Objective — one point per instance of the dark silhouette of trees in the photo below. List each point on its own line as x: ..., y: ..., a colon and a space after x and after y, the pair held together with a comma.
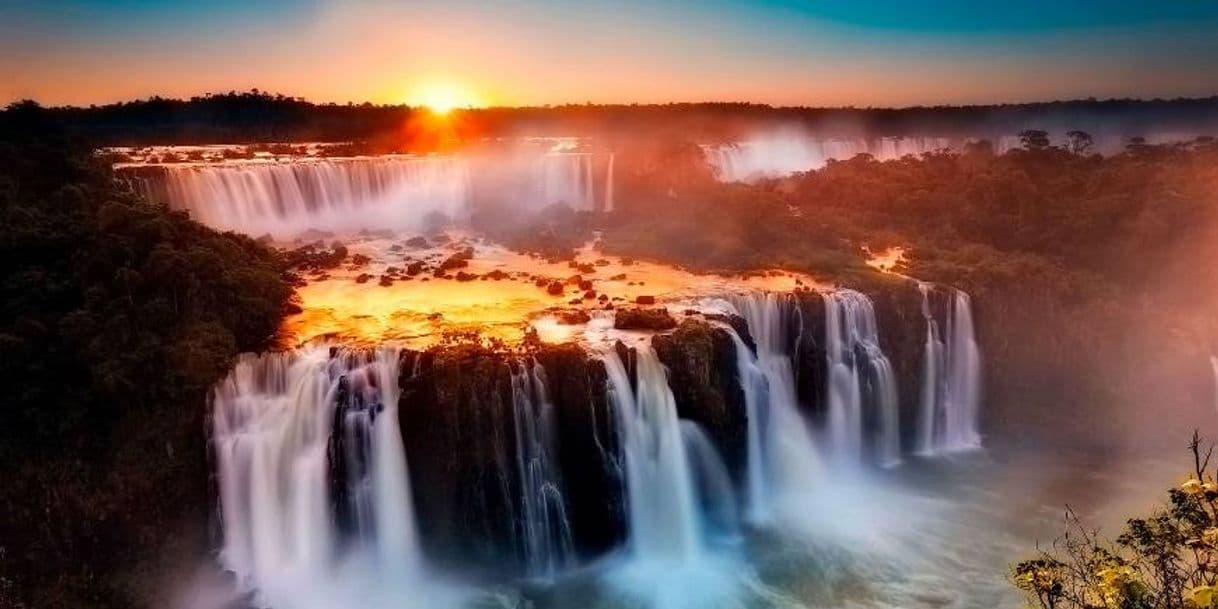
x: 116, y: 317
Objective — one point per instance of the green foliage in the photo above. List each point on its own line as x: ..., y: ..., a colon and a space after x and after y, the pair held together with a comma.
x: 1168, y: 560
x: 116, y: 316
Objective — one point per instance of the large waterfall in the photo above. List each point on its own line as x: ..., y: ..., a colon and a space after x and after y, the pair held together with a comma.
x: 401, y: 193
x: 312, y: 468
x: 545, y: 532
x: 782, y: 461
x: 662, y: 516
x: 860, y: 377
x: 951, y: 386
x: 286, y: 199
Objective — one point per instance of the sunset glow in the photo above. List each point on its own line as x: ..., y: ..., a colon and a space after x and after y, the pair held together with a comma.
x: 442, y: 97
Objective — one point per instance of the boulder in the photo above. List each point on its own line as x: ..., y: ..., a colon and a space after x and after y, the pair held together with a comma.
x: 644, y: 319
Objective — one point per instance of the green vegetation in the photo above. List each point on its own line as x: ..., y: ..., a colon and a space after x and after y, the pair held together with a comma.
x: 116, y: 316
x: 1168, y: 560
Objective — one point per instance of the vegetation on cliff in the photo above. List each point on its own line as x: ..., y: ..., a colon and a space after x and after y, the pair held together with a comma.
x: 1167, y: 560
x: 116, y: 316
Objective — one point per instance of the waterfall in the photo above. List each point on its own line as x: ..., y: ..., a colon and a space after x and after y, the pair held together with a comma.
x: 661, y: 516
x: 608, y: 207
x: 1214, y: 365
x: 713, y: 484
x: 951, y: 383
x: 566, y: 177
x: 283, y: 424
x: 545, y: 533
x: 778, y: 155
x: 856, y: 362
x: 285, y: 199
x: 782, y: 458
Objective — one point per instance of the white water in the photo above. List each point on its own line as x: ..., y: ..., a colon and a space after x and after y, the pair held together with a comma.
x: 545, y: 532
x: 565, y: 177
x: 273, y: 420
x: 1214, y: 366
x: 783, y: 154
x: 662, y: 518
x: 856, y: 360
x: 608, y: 207
x: 713, y: 485
x: 951, y: 383
x: 286, y: 198
x: 782, y: 461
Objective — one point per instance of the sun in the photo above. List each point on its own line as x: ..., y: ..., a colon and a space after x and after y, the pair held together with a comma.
x: 442, y: 98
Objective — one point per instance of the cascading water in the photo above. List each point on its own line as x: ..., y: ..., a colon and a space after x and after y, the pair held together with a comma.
x: 1214, y: 366
x: 284, y: 199
x: 782, y: 458
x: 608, y: 207
x: 781, y: 155
x: 857, y: 362
x: 662, y: 517
x: 566, y: 177
x: 278, y: 420
x: 545, y: 533
x: 713, y: 484
x: 951, y: 384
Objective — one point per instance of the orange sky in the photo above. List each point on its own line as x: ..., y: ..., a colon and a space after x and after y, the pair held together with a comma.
x: 528, y: 54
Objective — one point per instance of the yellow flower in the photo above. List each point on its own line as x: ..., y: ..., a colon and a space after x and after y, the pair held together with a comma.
x: 1192, y: 486
x: 1204, y: 596
x: 1210, y: 486
x: 1210, y: 537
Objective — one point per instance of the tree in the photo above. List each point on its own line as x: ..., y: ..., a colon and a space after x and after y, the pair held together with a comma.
x: 1080, y: 142
x: 1034, y: 139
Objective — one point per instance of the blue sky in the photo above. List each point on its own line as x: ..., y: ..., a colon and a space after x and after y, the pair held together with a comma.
x: 821, y: 52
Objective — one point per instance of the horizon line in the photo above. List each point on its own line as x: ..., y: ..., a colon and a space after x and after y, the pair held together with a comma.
x: 1213, y: 97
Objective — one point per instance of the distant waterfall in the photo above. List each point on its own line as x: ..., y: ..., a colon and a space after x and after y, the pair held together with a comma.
x: 285, y: 199
x: 283, y: 425
x: 608, y: 206
x: 856, y: 363
x: 782, y: 458
x: 1214, y: 365
x: 951, y: 384
x: 775, y: 156
x: 662, y: 516
x: 545, y: 533
x: 566, y: 177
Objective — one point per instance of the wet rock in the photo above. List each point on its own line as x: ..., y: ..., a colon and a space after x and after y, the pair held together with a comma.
x: 463, y: 276
x: 701, y: 362
x: 644, y: 319
x: 645, y: 300
x: 555, y: 289
x: 414, y: 268
x: 417, y: 243
x: 573, y: 317
x: 363, y: 278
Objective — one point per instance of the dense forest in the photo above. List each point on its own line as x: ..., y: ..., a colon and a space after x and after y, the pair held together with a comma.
x: 255, y: 116
x: 116, y: 317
